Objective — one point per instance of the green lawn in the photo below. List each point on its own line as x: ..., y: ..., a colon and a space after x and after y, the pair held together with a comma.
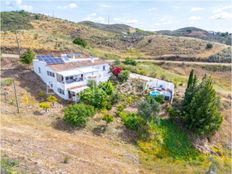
x: 170, y: 151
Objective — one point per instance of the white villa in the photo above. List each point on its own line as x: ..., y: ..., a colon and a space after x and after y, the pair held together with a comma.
x: 69, y: 74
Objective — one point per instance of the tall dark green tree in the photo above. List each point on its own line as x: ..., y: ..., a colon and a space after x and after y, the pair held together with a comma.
x: 189, y: 92
x: 203, y: 116
x: 190, y: 79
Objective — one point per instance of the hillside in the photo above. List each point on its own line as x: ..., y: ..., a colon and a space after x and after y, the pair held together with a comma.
x: 28, y: 138
x: 48, y: 34
x: 194, y: 32
x: 115, y: 28
x: 11, y: 21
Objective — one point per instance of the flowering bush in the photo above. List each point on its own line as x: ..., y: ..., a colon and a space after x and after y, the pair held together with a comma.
x: 116, y: 70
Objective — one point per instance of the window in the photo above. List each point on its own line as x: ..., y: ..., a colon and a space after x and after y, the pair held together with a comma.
x: 39, y: 69
x: 61, y: 91
x: 75, y: 78
x: 59, y: 78
x: 50, y: 74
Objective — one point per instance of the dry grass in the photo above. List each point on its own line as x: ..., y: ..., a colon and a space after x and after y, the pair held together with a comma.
x: 157, y: 45
x: 52, y: 34
x: 27, y: 139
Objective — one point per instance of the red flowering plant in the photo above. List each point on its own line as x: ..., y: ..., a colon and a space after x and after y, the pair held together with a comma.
x: 116, y: 70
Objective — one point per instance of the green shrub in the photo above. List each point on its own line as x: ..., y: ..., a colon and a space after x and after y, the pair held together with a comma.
x: 94, y: 97
x: 107, y: 87
x: 7, y: 82
x: 115, y: 98
x: 159, y: 99
x: 174, y: 113
x: 66, y: 159
x: 117, y: 62
x: 122, y: 114
x: 129, y: 61
x: 42, y: 94
x: 8, y: 165
x: 107, y: 105
x: 123, y: 75
x: 132, y: 121
x: 37, y: 17
x: 148, y: 108
x: 108, y: 118
x: 209, y: 46
x: 145, y: 109
x: 91, y: 83
x: 113, y: 78
x: 27, y: 57
x: 80, y: 42
x: 78, y: 114
x: 120, y: 107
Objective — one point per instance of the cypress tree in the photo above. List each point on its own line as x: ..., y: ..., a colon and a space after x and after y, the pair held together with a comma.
x: 190, y: 79
x: 189, y: 92
x: 203, y: 113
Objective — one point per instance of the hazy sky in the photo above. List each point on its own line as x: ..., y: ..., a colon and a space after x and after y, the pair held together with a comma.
x: 148, y: 15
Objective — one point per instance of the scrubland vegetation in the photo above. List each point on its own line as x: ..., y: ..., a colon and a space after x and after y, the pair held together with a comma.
x: 9, y: 165
x: 167, y: 139
x: 48, y: 34
x: 190, y: 135
x: 162, y: 144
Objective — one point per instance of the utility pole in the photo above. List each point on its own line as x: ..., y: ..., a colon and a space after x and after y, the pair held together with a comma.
x: 17, y: 41
x: 16, y: 98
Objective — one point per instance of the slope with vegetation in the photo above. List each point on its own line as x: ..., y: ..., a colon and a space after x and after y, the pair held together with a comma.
x: 128, y: 132
x: 221, y: 37
x: 115, y: 28
x: 48, y: 34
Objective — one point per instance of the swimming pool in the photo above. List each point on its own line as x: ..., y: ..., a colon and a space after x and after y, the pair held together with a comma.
x: 154, y: 93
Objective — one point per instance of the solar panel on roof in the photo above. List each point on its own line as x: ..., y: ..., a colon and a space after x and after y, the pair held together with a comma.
x: 49, y: 59
x: 76, y: 54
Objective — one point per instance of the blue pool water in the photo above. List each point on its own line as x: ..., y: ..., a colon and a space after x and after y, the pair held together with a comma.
x: 154, y: 93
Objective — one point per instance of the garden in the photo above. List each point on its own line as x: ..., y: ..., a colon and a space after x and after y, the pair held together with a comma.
x: 161, y: 130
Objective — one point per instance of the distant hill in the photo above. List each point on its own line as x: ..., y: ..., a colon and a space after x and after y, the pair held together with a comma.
x: 16, y: 20
x: 221, y: 37
x: 116, y: 28
x: 45, y: 34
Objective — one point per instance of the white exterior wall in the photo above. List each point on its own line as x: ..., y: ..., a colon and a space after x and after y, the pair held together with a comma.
x: 102, y: 76
x: 48, y: 80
